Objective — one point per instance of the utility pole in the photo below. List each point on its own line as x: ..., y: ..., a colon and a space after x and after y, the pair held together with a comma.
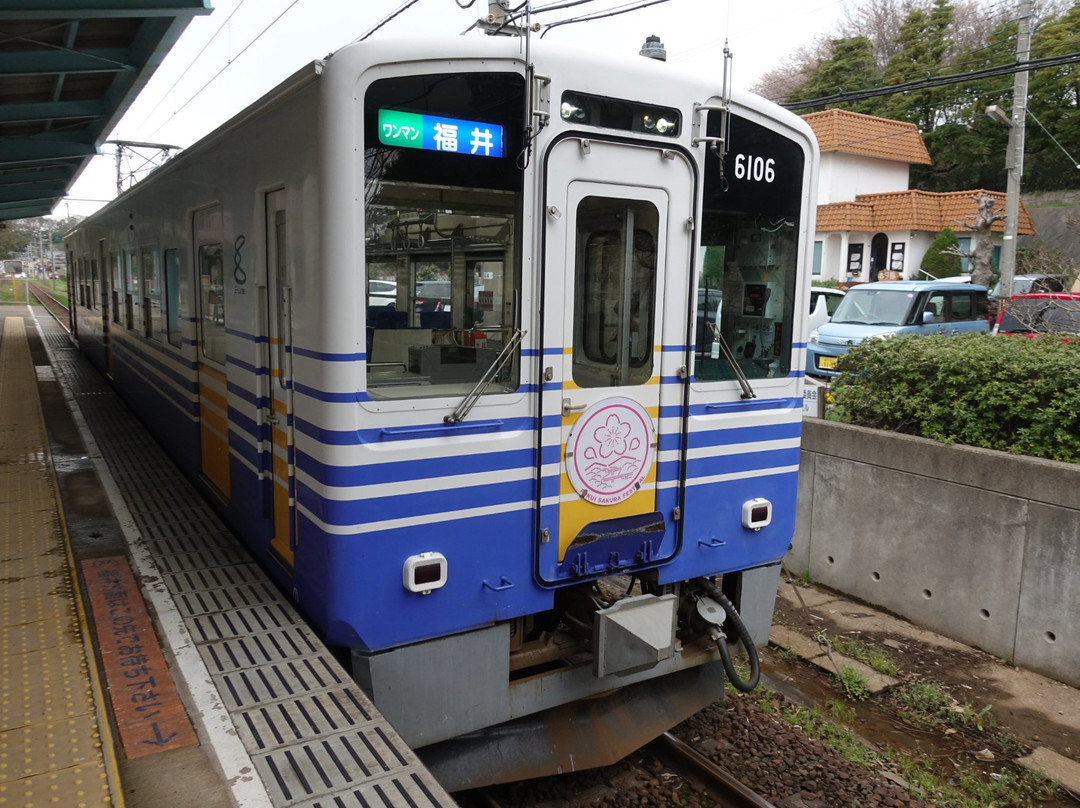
x: 1014, y: 158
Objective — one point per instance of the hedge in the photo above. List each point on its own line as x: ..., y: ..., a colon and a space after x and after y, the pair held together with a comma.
x: 1012, y: 394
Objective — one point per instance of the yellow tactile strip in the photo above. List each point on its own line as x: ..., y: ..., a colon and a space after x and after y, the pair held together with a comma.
x: 51, y: 750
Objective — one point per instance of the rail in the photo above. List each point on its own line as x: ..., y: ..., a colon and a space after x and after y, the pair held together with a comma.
x: 57, y: 309
x: 704, y: 775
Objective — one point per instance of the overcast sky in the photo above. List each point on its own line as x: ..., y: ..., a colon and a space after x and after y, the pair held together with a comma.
x: 229, y: 58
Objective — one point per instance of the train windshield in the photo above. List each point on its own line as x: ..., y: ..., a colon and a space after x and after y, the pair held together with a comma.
x: 442, y: 232
x: 748, y: 254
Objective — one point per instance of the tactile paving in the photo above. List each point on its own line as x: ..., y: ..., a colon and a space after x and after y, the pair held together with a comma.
x: 314, y: 738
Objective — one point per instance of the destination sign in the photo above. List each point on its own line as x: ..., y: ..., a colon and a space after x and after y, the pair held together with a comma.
x: 438, y: 133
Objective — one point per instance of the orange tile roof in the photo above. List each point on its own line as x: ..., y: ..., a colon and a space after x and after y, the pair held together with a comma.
x: 915, y: 210
x: 851, y: 216
x: 838, y: 130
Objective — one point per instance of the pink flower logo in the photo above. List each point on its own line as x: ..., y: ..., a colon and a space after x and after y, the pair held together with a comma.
x: 608, y: 452
x: 612, y: 436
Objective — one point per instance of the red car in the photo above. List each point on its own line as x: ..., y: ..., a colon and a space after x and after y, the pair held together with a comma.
x: 1046, y: 312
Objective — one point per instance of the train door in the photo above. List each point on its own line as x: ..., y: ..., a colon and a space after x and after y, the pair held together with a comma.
x: 279, y: 396
x: 616, y: 272
x: 213, y: 391
x: 107, y: 262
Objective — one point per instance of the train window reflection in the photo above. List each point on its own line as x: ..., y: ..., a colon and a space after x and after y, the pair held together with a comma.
x: 439, y: 298
x: 614, y: 292
x: 442, y: 247
x: 748, y: 255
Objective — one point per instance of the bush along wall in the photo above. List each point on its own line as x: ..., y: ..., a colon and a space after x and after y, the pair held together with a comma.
x: 1012, y: 394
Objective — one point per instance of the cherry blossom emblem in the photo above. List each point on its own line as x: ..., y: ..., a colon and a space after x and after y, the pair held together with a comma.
x: 609, y: 452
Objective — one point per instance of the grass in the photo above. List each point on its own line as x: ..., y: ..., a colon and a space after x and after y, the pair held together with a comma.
x: 867, y: 653
x: 926, y: 704
x: 853, y: 684
x: 953, y: 783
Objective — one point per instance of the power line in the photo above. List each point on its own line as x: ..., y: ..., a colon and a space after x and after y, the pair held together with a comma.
x: 938, y: 81
x: 194, y: 59
x: 232, y: 61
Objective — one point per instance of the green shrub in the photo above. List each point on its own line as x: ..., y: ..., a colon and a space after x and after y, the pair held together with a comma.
x: 1007, y: 393
x: 938, y: 262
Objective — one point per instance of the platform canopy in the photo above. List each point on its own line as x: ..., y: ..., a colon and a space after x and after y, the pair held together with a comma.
x: 69, y: 70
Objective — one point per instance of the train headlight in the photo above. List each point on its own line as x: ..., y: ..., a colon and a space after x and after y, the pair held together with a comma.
x: 571, y: 112
x: 756, y: 513
x: 424, y: 572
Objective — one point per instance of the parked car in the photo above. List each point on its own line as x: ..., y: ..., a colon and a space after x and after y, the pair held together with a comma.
x: 1028, y: 315
x: 382, y: 293
x: 1029, y: 284
x: 887, y: 308
x: 432, y: 296
x: 823, y: 303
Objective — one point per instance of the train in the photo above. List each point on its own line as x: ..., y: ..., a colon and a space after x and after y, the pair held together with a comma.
x: 491, y: 351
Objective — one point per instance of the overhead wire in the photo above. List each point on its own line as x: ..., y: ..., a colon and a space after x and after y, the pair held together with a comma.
x: 613, y: 12
x: 937, y: 81
x: 232, y: 61
x: 194, y: 59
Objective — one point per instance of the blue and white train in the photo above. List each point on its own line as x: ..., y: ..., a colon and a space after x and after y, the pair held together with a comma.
x: 491, y: 351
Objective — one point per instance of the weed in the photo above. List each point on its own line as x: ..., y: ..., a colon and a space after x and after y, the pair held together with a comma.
x: 840, y: 740
x: 854, y: 684
x: 842, y: 711
x: 925, y: 703
x: 867, y: 653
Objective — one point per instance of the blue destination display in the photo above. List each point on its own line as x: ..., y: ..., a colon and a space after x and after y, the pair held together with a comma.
x: 439, y: 133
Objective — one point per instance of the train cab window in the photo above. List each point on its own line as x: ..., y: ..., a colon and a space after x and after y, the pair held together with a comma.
x: 442, y: 233
x: 747, y: 255
x: 615, y: 292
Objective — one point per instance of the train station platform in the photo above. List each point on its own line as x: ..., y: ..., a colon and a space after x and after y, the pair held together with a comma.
x: 146, y: 659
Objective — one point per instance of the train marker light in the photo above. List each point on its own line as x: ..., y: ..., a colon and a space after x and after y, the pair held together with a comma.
x: 756, y: 513
x: 424, y: 572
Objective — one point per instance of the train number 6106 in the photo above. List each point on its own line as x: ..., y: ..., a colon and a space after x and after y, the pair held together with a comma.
x: 758, y: 169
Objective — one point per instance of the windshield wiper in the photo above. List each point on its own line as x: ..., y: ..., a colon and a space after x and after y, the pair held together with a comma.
x: 744, y: 383
x: 462, y: 409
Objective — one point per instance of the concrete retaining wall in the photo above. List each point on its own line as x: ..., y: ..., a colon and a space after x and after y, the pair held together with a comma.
x: 980, y: 546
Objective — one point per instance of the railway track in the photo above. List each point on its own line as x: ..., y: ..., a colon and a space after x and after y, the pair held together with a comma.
x: 666, y: 760
x: 57, y: 309
x: 704, y: 775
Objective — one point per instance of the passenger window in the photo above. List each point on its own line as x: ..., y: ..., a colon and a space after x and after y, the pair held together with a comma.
x: 131, y: 289
x: 172, y: 296
x: 209, y: 255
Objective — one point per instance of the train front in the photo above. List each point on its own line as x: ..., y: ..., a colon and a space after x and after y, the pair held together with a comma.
x: 578, y: 436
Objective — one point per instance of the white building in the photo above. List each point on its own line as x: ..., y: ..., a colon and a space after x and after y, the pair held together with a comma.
x: 870, y: 225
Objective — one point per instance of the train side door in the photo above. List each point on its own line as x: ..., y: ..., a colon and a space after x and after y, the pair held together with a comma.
x: 106, y: 262
x: 279, y: 415
x: 617, y: 258
x: 213, y: 386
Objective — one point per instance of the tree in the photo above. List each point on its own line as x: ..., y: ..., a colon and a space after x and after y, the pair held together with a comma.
x: 942, y: 259
x: 981, y: 224
x: 923, y: 45
x: 1054, y: 100
x: 850, y: 67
